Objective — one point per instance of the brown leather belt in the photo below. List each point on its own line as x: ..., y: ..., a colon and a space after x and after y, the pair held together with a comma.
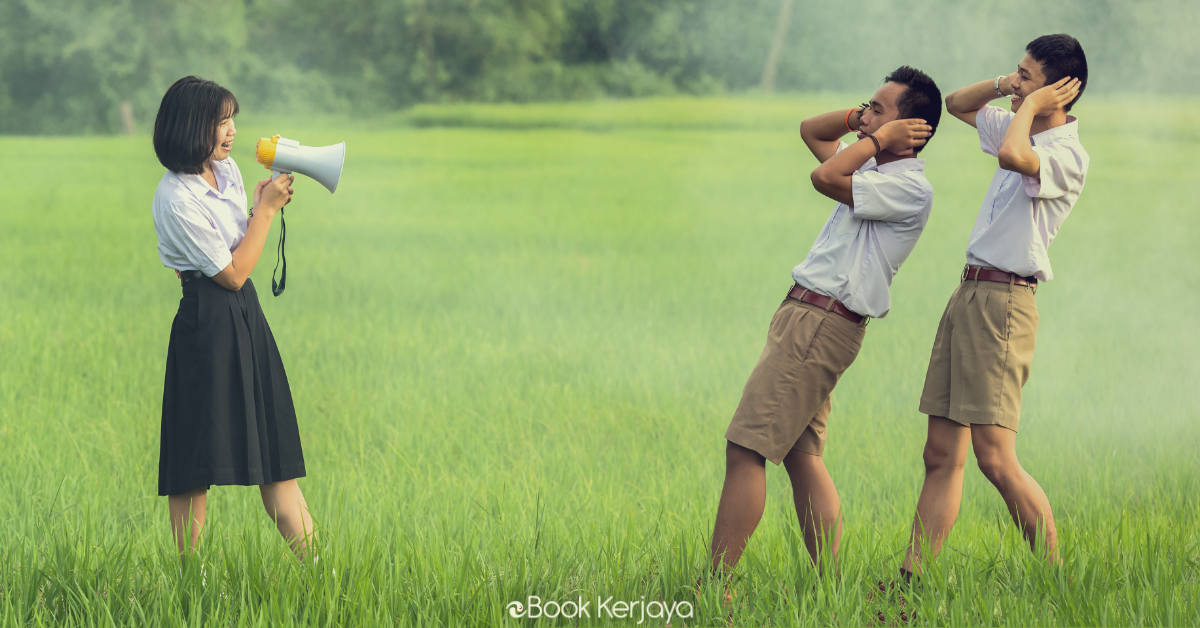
x: 829, y: 304
x: 983, y: 273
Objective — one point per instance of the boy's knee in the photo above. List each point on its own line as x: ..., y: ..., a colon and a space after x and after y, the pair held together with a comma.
x: 736, y: 455
x: 939, y: 457
x: 999, y: 470
x: 797, y: 460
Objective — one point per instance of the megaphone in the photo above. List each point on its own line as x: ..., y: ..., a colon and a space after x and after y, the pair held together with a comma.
x: 284, y: 156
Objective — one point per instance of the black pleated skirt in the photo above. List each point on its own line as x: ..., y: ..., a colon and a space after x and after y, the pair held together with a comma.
x: 227, y: 413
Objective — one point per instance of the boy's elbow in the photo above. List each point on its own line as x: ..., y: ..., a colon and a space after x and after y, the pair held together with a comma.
x: 1004, y: 154
x: 820, y: 178
x: 953, y: 106
x: 825, y: 181
x: 1015, y: 161
x: 956, y: 108
x: 806, y: 128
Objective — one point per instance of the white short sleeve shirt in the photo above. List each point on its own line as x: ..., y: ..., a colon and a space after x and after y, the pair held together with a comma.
x: 1022, y: 214
x: 198, y: 227
x: 860, y: 249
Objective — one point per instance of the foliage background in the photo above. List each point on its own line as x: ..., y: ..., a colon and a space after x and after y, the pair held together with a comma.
x: 68, y: 66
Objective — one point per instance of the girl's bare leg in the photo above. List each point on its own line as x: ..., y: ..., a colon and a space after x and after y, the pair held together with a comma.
x: 286, y: 506
x: 187, y: 519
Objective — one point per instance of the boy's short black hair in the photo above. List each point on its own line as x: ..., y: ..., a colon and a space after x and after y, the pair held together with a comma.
x: 185, y: 130
x: 1060, y: 55
x: 921, y: 99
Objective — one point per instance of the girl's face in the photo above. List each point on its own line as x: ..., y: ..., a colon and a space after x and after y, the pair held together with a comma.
x: 225, y: 134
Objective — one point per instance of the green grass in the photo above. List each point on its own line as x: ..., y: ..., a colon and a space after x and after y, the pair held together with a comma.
x: 515, y: 336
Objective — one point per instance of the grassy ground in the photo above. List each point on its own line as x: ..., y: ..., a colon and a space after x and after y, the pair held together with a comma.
x: 515, y: 336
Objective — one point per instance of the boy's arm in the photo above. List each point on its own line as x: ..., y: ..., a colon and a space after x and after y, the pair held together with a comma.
x: 965, y: 103
x: 835, y: 178
x: 1016, y: 152
x: 822, y: 133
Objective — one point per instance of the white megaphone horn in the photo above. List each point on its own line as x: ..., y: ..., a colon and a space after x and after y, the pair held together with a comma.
x: 322, y: 163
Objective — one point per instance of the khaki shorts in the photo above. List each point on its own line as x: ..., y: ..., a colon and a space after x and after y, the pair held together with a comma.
x: 786, y: 402
x: 982, y: 354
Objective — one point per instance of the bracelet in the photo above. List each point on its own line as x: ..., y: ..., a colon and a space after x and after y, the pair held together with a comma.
x: 848, y: 128
x: 996, y: 86
x: 877, y: 148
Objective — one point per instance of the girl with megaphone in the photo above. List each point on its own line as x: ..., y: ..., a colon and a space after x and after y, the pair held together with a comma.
x: 227, y: 413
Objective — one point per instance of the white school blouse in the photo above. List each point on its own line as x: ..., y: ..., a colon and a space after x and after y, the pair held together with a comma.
x: 198, y: 227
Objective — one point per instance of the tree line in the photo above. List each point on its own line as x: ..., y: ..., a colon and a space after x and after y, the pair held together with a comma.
x: 72, y: 66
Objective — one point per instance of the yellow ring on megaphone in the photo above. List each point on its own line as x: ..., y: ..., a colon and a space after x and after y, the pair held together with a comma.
x: 265, y: 151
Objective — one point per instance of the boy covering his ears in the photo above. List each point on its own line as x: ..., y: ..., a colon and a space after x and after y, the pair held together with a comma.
x: 984, y: 346
x: 883, y: 202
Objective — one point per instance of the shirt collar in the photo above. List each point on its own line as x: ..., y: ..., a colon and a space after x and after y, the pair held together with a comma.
x: 198, y: 186
x: 900, y: 165
x: 1061, y: 132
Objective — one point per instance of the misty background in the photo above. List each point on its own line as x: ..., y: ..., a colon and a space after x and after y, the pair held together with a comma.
x: 71, y: 66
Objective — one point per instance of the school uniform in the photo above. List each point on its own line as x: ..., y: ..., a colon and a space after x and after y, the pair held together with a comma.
x: 818, y: 329
x: 983, y: 350
x: 227, y: 412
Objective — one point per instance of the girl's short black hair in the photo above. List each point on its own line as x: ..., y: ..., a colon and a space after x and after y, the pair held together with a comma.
x: 185, y: 131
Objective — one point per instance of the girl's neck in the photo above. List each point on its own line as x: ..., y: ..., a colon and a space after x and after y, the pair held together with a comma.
x: 209, y: 176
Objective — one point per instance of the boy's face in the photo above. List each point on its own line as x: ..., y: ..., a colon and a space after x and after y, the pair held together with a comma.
x: 1027, y: 79
x: 882, y: 108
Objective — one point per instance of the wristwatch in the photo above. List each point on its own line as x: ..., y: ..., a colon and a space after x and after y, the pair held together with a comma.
x: 996, y: 86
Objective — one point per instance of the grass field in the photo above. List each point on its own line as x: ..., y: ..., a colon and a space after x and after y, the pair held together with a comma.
x: 515, y: 336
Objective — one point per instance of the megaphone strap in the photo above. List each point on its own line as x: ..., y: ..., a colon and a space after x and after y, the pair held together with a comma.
x: 277, y: 288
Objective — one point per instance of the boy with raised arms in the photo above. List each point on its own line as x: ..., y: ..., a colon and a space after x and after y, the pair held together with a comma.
x: 984, y: 345
x: 883, y: 202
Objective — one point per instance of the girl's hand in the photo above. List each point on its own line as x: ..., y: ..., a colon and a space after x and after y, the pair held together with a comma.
x: 258, y: 190
x: 273, y: 194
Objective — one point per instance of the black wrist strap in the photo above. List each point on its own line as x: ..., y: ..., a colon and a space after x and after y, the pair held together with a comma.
x: 277, y: 288
x: 877, y: 149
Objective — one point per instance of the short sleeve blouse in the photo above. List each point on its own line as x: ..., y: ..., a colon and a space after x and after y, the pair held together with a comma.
x: 198, y: 226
